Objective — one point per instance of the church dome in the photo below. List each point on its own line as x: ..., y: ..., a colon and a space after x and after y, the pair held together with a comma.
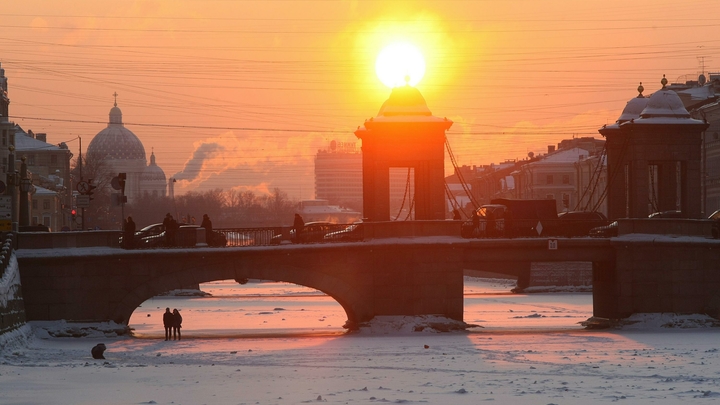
x: 404, y: 100
x: 116, y: 141
x: 153, y: 172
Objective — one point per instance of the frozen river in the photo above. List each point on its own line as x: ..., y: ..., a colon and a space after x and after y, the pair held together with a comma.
x: 276, y: 309
x: 273, y: 343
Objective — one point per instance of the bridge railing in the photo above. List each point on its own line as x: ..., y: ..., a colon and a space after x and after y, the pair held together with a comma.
x: 249, y: 236
x: 5, y: 252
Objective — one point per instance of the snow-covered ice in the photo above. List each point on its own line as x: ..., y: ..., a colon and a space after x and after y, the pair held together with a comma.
x: 529, y: 350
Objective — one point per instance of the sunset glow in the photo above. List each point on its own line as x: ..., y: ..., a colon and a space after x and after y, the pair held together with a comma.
x: 242, y: 94
x: 400, y: 63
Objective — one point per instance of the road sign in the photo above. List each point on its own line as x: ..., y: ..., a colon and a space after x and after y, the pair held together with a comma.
x: 82, y: 201
x: 5, y: 207
x: 552, y: 244
x: 83, y: 187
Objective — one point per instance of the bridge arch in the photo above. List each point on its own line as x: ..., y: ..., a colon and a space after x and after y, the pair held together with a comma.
x: 339, y: 290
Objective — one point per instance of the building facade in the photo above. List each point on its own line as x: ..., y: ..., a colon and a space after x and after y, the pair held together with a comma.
x: 338, y: 175
x: 565, y: 176
x: 49, y: 165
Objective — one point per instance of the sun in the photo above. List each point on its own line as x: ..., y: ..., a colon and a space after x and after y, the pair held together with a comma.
x: 400, y: 63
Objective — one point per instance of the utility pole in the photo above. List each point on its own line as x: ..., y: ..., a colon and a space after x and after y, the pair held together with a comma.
x: 80, y: 164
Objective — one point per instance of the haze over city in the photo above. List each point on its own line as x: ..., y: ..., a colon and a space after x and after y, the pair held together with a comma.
x: 242, y: 94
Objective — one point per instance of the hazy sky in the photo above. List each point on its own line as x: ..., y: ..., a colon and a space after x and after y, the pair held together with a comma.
x: 252, y: 89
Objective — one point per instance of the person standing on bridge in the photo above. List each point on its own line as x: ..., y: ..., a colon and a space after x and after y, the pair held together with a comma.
x: 129, y: 229
x: 207, y: 224
x: 177, y: 323
x: 298, y: 226
x: 168, y: 323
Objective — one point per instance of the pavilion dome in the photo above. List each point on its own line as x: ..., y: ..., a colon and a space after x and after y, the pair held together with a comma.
x: 404, y: 100
x: 116, y: 142
x: 665, y: 104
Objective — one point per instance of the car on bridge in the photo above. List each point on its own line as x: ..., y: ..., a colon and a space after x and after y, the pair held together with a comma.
x: 148, y: 236
x: 578, y: 223
x: 715, y: 216
x: 311, y: 232
x: 352, y: 233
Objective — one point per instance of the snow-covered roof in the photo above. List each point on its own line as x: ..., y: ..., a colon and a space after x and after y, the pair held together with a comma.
x: 699, y: 93
x: 562, y: 156
x: 25, y: 142
x: 664, y: 104
x: 633, y: 108
x: 43, y: 192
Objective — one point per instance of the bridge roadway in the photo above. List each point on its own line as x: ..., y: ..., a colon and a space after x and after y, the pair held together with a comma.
x: 397, y: 276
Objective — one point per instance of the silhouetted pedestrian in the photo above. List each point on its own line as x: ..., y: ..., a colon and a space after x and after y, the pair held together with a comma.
x: 298, y: 226
x: 171, y: 227
x: 129, y: 237
x: 168, y: 321
x: 456, y: 214
x: 476, y: 224
x: 207, y: 224
x: 177, y: 323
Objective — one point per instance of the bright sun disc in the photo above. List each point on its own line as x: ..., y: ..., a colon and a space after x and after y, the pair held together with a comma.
x: 398, y: 61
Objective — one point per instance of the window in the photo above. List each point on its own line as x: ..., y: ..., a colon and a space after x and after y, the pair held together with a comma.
x: 34, y: 204
x: 566, y: 179
x: 46, y: 204
x: 31, y: 160
x: 53, y: 159
x: 549, y: 179
x: 46, y: 221
x: 550, y: 197
x: 566, y: 200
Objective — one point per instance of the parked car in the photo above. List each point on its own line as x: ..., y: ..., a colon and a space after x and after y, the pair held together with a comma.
x: 579, y: 223
x: 217, y: 239
x: 508, y: 218
x: 354, y: 232
x: 148, y: 236
x: 312, y: 232
x: 666, y: 214
x: 612, y: 229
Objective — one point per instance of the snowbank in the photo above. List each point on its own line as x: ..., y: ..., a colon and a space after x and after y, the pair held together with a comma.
x: 385, y: 325
x: 59, y: 329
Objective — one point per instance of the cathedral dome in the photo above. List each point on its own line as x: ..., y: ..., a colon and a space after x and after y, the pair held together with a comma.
x: 116, y: 141
x: 153, y: 172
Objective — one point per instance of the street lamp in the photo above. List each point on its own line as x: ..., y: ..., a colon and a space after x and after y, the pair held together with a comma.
x: 25, y: 185
x: 11, y: 191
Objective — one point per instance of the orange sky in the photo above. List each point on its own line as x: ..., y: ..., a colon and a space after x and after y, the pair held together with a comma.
x: 259, y: 86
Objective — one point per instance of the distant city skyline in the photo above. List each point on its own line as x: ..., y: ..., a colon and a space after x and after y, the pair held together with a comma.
x: 243, y: 94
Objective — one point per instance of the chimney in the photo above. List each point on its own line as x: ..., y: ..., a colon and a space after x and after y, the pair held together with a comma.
x: 41, y: 136
x: 551, y: 148
x: 31, y: 134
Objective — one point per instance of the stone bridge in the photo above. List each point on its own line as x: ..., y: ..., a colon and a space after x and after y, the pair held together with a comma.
x: 400, y: 276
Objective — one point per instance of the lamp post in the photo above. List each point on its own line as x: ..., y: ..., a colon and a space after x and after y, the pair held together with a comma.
x: 11, y: 189
x: 25, y: 186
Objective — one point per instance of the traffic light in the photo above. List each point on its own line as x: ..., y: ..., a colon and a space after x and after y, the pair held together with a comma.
x: 122, y: 177
x: 90, y: 189
x: 73, y: 212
